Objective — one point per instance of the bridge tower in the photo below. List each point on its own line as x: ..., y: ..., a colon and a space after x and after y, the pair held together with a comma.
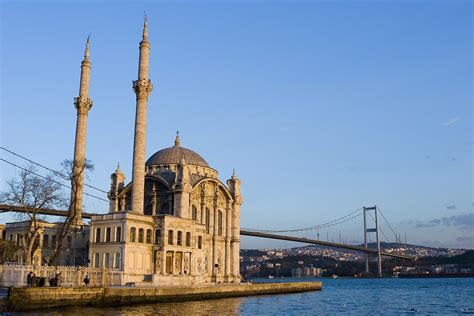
x: 377, y: 238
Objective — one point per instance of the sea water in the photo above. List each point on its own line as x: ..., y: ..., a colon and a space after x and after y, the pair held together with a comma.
x: 342, y: 296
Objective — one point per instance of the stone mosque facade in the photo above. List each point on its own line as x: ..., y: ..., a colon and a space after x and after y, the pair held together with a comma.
x: 175, y: 223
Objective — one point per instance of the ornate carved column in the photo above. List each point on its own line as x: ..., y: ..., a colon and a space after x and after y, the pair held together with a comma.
x: 234, y: 187
x: 203, y: 195
x: 117, y: 184
x: 154, y: 200
x: 214, y: 231
x: 182, y: 190
x: 228, y: 213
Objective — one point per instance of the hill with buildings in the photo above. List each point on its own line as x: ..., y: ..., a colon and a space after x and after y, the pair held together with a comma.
x: 329, y: 261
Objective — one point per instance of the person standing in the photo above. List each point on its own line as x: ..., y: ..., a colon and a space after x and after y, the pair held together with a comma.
x: 28, y: 278
x: 86, y: 281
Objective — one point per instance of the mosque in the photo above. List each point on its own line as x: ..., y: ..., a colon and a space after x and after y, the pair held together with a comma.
x: 175, y: 223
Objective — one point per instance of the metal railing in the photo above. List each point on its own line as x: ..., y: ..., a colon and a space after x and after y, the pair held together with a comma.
x: 68, y: 276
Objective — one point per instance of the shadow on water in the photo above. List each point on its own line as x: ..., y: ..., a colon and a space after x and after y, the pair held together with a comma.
x: 229, y: 306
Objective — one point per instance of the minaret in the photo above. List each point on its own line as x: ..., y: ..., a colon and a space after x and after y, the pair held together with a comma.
x: 83, y: 105
x: 142, y: 88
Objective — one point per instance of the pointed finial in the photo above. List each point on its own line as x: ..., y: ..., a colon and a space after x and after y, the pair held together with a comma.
x: 177, y: 141
x: 86, y: 52
x: 145, y: 27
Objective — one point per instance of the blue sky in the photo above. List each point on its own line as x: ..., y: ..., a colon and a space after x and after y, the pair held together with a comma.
x: 322, y: 107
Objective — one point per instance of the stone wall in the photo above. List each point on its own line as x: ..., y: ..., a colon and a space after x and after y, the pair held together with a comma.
x: 22, y: 299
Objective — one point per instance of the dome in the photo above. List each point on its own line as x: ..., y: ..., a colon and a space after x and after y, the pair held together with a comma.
x: 173, y: 155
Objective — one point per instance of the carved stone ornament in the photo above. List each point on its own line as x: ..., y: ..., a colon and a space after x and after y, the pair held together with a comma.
x: 142, y: 87
x: 157, y: 262
x: 199, y: 265
x: 206, y: 262
x: 82, y: 104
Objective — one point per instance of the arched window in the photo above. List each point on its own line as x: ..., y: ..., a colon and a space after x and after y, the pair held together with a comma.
x: 140, y: 235
x: 194, y: 213
x: 97, y: 235
x: 188, y: 239
x: 180, y: 238
x: 96, y: 261
x: 148, y: 209
x: 170, y: 237
x: 219, y: 221
x: 208, y: 220
x: 165, y: 208
x: 46, y: 240
x: 148, y: 236
x: 107, y: 260
x: 69, y: 242
x: 133, y: 234
x: 158, y: 236
x: 107, y: 234
x: 118, y: 234
x: 117, y: 260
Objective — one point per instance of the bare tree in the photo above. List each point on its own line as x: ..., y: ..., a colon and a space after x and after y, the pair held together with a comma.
x: 68, y: 225
x: 32, y: 193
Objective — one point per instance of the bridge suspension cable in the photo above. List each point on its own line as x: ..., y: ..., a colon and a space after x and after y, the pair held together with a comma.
x: 390, y: 226
x: 41, y: 176
x: 335, y: 222
x: 49, y: 169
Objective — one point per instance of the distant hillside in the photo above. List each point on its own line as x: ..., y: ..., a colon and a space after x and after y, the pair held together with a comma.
x: 465, y: 259
x: 383, y: 245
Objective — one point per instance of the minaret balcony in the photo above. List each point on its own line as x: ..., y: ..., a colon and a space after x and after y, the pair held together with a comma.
x: 82, y: 104
x: 142, y: 87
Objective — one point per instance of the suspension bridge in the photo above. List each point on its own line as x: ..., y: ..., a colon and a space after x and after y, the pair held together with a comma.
x: 371, y: 216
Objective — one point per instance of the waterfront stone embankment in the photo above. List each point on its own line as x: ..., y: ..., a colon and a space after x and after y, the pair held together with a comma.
x: 23, y: 299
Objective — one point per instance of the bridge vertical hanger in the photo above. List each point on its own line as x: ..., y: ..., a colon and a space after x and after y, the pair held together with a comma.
x: 375, y: 230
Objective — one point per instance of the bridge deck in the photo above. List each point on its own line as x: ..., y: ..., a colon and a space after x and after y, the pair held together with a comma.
x: 9, y: 208
x: 322, y: 243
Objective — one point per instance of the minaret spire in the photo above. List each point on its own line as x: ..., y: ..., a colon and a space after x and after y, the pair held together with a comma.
x: 145, y: 29
x: 142, y: 88
x: 83, y: 104
x: 86, y: 52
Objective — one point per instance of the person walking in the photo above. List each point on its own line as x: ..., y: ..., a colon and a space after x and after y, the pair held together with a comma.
x: 86, y: 281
